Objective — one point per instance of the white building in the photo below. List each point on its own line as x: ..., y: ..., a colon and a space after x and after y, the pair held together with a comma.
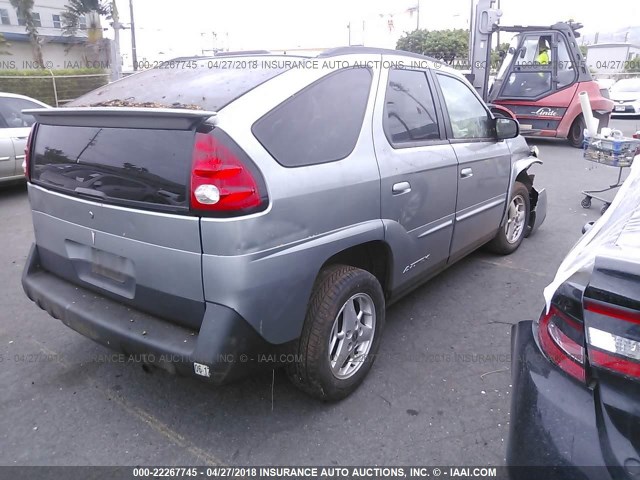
x: 609, y: 58
x: 48, y: 17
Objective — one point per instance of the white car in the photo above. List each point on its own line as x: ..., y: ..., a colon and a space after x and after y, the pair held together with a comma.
x: 14, y: 131
x: 606, y: 83
x: 625, y: 94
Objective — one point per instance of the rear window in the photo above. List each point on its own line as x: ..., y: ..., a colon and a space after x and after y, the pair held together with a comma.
x: 321, y: 123
x: 203, y: 84
x: 116, y: 165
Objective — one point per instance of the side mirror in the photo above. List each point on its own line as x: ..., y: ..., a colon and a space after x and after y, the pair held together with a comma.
x: 507, y: 128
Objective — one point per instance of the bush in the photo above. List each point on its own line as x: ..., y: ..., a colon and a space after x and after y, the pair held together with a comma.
x: 38, y: 84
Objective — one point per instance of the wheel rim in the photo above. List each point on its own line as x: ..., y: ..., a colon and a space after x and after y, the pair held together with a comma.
x: 515, y: 219
x: 352, y: 336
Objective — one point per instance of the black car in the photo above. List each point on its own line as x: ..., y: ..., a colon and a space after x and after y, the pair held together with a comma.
x: 575, y: 409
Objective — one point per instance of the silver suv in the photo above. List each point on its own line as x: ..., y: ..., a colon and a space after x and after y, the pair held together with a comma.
x: 216, y: 215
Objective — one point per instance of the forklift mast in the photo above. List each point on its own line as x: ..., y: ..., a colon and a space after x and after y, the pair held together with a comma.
x: 484, y: 22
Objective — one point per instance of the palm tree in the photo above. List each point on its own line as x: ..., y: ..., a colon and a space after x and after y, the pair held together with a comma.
x: 24, y: 9
x: 77, y: 9
x: 4, y: 45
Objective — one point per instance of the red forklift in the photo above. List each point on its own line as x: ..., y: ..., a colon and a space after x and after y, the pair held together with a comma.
x: 539, y: 79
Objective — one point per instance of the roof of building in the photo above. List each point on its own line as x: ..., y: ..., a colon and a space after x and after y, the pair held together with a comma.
x: 24, y: 37
x: 612, y: 44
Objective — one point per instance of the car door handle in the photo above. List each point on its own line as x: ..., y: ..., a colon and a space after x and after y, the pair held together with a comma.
x: 18, y: 138
x: 401, y: 188
x: 466, y: 173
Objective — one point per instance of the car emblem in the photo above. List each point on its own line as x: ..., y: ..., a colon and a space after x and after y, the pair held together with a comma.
x: 91, y: 214
x: 546, y: 112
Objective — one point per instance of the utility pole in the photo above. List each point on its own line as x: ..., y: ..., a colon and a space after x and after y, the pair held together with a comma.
x: 418, y: 16
x: 349, y: 28
x: 498, y: 32
x: 116, y: 61
x: 134, y: 53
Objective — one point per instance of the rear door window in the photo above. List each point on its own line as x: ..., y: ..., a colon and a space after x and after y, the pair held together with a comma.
x: 409, y: 111
x: 321, y: 123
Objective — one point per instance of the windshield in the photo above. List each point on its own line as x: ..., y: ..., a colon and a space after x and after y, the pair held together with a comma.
x: 513, y: 46
x: 627, y: 85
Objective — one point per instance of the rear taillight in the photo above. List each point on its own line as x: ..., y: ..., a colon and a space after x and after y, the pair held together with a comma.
x: 26, y: 163
x: 223, y: 178
x: 562, y: 340
x: 613, y: 339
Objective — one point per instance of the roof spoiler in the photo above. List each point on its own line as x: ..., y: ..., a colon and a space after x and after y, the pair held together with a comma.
x: 123, y: 117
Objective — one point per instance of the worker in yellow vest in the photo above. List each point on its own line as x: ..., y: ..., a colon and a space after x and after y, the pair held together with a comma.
x: 544, y: 56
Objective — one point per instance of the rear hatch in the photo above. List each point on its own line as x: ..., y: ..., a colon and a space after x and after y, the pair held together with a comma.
x: 111, y: 178
x: 110, y: 205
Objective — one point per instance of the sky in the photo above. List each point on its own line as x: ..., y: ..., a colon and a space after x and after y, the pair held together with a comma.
x: 186, y: 27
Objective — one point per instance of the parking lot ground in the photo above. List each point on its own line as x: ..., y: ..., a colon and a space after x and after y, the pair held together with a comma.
x: 438, y: 394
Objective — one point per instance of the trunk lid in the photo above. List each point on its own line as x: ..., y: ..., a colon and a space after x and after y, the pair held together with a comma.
x: 110, y: 201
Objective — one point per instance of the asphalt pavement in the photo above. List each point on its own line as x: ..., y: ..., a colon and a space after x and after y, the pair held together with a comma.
x: 438, y: 394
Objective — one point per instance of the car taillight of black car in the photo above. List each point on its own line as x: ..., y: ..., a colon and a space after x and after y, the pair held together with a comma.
x: 561, y: 338
x: 608, y: 338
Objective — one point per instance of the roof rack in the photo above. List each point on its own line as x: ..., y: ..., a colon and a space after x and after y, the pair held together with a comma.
x: 242, y: 52
x: 354, y: 50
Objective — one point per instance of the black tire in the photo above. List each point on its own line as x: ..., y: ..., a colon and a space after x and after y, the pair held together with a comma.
x: 586, y: 202
x: 311, y: 371
x: 576, y: 133
x: 604, y: 208
x: 501, y: 244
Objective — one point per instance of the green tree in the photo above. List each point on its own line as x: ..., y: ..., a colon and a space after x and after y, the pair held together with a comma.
x: 77, y: 9
x: 498, y: 54
x: 633, y: 65
x: 446, y: 45
x: 24, y: 9
x: 4, y: 45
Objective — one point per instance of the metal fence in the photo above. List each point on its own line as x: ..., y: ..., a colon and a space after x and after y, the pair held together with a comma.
x: 52, y: 89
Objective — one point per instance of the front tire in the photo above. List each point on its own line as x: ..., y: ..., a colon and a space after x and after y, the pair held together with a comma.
x: 576, y: 133
x: 510, y: 236
x: 341, y: 333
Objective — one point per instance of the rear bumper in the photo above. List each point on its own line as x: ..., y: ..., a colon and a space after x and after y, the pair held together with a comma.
x: 553, y: 418
x: 226, y: 344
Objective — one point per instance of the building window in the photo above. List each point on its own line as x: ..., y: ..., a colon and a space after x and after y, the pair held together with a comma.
x: 36, y: 20
x: 4, y: 15
x: 56, y: 21
x: 82, y: 23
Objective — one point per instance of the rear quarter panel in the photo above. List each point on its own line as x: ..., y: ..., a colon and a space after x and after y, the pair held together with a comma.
x: 264, y: 265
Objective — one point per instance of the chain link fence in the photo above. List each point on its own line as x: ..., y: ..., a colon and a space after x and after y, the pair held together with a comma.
x: 54, y: 88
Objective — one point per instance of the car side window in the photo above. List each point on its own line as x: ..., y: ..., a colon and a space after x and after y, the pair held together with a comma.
x: 11, y: 111
x: 409, y: 108
x: 469, y: 118
x: 319, y: 124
